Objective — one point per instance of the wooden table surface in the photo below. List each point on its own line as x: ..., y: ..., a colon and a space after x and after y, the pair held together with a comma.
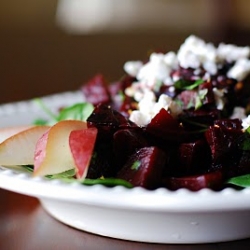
x: 24, y: 225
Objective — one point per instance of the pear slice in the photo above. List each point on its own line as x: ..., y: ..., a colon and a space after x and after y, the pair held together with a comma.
x: 52, y: 153
x: 7, y: 132
x: 19, y: 148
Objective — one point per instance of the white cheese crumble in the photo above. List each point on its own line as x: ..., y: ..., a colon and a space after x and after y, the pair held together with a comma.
x: 148, y: 108
x: 240, y: 70
x: 133, y: 67
x: 238, y: 113
x: 219, y: 100
x: 194, y: 53
x: 245, y: 123
x: 155, y: 70
x: 231, y: 53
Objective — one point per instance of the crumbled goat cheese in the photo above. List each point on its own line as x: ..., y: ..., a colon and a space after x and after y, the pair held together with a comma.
x: 232, y: 53
x: 148, y: 108
x: 218, y: 95
x: 195, y: 53
x: 246, y: 122
x: 133, y: 67
x: 240, y: 70
x: 238, y: 113
x: 154, y: 70
x: 140, y: 118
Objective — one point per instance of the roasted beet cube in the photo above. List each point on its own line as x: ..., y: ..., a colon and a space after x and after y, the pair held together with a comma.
x: 213, y: 180
x: 223, y: 139
x: 200, y: 118
x: 101, y: 164
x: 244, y: 165
x: 96, y: 90
x: 144, y: 168
x: 107, y: 121
x: 126, y: 142
x: 194, y: 157
x: 234, y: 124
x: 164, y: 127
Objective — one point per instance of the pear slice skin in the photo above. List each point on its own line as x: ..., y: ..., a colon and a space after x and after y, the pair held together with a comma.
x: 7, y: 132
x: 82, y: 143
x: 19, y: 148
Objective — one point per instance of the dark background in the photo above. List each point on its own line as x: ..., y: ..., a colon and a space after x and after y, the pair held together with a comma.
x: 39, y: 57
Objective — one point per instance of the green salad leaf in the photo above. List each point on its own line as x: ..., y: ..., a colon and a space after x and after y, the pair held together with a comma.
x: 240, y: 181
x: 187, y: 85
x: 69, y: 177
x: 79, y: 111
x: 109, y: 182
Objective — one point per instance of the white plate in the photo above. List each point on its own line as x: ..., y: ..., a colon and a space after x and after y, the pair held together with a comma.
x: 159, y: 216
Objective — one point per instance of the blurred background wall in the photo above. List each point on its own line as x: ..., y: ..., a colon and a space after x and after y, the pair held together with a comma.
x: 49, y: 46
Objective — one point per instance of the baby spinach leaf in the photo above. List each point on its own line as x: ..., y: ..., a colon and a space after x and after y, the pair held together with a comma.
x: 110, y: 182
x: 241, y: 181
x: 187, y: 85
x: 79, y: 111
x: 64, y: 175
x: 42, y: 105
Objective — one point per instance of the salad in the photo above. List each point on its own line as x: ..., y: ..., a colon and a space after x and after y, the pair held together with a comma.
x: 178, y: 120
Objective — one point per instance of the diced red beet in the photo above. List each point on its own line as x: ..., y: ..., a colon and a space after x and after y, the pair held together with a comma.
x: 213, y: 180
x: 200, y: 118
x: 144, y: 168
x: 96, y: 90
x: 101, y: 164
x: 107, y: 121
x: 164, y: 127
x: 125, y: 143
x: 244, y: 165
x: 223, y: 139
x: 120, y: 101
x: 194, y: 157
x: 229, y: 124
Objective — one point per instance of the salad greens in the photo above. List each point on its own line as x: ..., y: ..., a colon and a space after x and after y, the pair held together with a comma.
x: 187, y: 85
x: 68, y: 176
x: 240, y: 181
x: 78, y: 111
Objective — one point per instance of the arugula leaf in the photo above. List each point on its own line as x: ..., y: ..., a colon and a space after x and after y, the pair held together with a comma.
x: 136, y: 165
x: 79, y: 111
x: 187, y: 85
x: 52, y: 116
x: 110, y: 182
x: 68, y: 176
x: 241, y: 181
x: 199, y: 98
x: 40, y: 122
x: 64, y: 175
x: 29, y: 168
